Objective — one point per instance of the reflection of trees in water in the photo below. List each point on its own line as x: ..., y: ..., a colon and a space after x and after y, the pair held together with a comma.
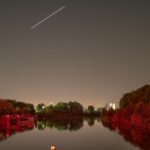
x: 65, y: 124
x: 70, y: 124
x: 132, y: 122
x: 140, y: 137
x: 4, y: 135
x: 90, y: 120
x: 10, y: 125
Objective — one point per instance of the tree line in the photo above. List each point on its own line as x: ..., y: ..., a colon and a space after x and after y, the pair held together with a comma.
x: 8, y: 106
x: 66, y: 107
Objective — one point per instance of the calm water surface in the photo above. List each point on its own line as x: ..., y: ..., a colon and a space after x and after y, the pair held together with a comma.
x: 78, y: 134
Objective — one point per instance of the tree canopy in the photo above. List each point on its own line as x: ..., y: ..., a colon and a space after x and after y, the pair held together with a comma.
x: 141, y: 94
x: 8, y: 106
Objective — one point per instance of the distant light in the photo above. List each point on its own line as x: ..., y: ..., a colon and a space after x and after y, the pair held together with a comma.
x: 111, y: 106
x: 43, y: 107
x: 43, y: 126
x: 52, y: 148
x: 114, y: 106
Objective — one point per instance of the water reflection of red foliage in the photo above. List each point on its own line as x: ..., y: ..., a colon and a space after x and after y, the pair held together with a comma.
x: 10, y: 124
x: 132, y: 122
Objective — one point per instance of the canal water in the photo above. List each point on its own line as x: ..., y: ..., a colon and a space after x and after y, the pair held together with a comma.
x: 87, y: 134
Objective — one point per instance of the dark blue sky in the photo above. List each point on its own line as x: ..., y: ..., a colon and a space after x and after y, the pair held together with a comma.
x: 92, y: 51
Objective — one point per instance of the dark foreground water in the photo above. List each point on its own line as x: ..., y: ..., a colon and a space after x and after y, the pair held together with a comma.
x: 75, y: 134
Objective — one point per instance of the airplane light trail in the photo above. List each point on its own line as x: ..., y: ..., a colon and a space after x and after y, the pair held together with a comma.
x: 47, y: 17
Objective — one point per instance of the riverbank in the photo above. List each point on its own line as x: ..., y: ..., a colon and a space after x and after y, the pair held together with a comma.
x: 66, y: 115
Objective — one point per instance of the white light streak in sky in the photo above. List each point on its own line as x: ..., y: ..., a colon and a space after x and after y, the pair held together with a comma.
x: 54, y: 13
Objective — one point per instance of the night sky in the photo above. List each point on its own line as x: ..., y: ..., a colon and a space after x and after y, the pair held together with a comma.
x: 93, y: 51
